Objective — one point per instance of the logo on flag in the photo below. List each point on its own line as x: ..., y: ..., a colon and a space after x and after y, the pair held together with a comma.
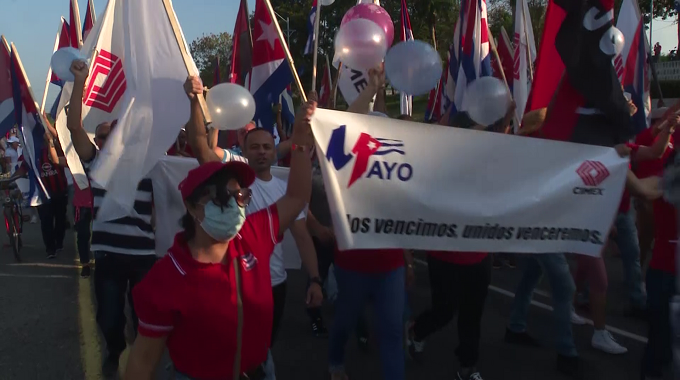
x: 366, y: 147
x: 249, y: 261
x: 592, y: 173
x: 107, y: 84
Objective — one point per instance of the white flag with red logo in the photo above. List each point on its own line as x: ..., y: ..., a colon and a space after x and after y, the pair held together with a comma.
x: 525, y: 49
x: 144, y: 93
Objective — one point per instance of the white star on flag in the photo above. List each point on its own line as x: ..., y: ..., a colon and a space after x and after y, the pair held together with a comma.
x: 371, y: 145
x: 268, y: 33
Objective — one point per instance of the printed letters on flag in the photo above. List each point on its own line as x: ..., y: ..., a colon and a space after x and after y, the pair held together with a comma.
x: 589, y: 106
x: 385, y: 194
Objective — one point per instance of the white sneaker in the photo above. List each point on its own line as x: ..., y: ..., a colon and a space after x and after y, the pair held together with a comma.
x: 604, y: 341
x: 34, y: 219
x: 577, y: 319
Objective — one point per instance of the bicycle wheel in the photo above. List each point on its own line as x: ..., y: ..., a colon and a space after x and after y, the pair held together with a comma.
x: 14, y: 237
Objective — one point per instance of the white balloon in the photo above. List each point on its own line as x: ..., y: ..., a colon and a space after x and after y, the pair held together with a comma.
x: 486, y: 100
x: 231, y: 106
x: 61, y: 62
x: 413, y: 67
x: 326, y: 3
x: 361, y: 44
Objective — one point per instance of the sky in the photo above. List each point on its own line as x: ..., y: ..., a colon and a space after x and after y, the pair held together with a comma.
x: 32, y: 26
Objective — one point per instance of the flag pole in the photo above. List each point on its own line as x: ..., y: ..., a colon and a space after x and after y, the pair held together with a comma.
x: 498, y: 59
x: 188, y: 62
x: 79, y: 26
x: 526, y: 38
x: 335, y: 85
x: 30, y: 93
x: 286, y: 51
x: 317, y: 20
x: 49, y: 69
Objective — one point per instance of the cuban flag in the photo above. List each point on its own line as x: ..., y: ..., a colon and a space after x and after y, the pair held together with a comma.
x: 271, y: 73
x: 311, y: 21
x: 287, y: 112
x: 406, y: 101
x: 90, y: 20
x: 74, y: 25
x: 31, y: 130
x: 63, y: 41
x: 7, y: 120
x: 635, y: 71
x: 469, y: 56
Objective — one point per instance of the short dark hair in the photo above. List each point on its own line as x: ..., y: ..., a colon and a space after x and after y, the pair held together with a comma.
x: 219, y: 181
x: 245, y: 138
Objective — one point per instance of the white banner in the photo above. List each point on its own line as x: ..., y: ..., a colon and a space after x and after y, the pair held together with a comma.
x: 398, y: 184
x: 166, y: 176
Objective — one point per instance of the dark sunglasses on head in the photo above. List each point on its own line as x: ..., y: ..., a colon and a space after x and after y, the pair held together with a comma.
x: 241, y: 196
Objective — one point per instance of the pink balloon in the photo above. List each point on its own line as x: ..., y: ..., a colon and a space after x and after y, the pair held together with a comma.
x: 375, y: 13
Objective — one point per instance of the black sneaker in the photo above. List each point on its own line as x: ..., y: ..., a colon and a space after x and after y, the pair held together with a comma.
x: 85, y: 271
x: 318, y: 329
x: 497, y: 263
x: 521, y: 338
x: 570, y: 366
x: 51, y: 254
x: 110, y: 366
x: 362, y: 341
x: 470, y: 374
x: 415, y: 349
x: 512, y: 262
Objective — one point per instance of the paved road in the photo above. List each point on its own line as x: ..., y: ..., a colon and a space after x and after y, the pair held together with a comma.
x: 47, y: 328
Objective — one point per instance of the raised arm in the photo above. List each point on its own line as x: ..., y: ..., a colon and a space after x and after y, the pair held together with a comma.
x: 376, y: 81
x: 300, y: 178
x: 52, y: 143
x: 197, y: 136
x: 656, y: 150
x: 81, y: 141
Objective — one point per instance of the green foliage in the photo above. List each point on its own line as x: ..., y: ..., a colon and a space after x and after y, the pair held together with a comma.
x: 205, y: 50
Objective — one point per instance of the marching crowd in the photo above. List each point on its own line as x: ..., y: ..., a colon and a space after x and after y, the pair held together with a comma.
x: 215, y: 301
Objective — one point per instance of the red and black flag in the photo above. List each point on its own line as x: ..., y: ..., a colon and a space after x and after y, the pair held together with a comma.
x: 242, y: 47
x: 589, y: 106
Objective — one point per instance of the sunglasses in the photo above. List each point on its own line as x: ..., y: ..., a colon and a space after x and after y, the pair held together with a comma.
x: 241, y: 196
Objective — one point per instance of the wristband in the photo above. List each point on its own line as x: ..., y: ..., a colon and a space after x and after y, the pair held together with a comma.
x: 316, y: 280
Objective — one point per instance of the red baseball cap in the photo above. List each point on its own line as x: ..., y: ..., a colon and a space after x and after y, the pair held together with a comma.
x: 197, y: 176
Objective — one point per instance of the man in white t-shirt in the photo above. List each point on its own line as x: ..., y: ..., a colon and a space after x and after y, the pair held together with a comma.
x: 12, y: 154
x: 260, y: 152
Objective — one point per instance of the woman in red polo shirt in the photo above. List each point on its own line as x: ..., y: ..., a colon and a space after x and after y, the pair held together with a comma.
x: 209, y: 299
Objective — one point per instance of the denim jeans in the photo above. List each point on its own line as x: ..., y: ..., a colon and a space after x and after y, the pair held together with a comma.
x: 660, y: 291
x: 562, y: 285
x: 386, y: 291
x: 627, y: 240
x: 114, y: 277
x: 83, y: 228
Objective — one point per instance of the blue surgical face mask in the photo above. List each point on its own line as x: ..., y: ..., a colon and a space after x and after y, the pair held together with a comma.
x: 223, y: 223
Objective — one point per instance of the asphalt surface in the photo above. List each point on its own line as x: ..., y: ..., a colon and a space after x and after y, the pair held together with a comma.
x: 48, y: 331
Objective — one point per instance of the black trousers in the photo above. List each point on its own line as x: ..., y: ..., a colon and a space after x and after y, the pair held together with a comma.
x: 324, y: 256
x: 279, y: 293
x: 53, y: 221
x: 83, y: 227
x: 115, y: 276
x: 462, y: 289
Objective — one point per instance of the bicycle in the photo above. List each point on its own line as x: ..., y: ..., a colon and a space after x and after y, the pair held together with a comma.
x: 14, y: 220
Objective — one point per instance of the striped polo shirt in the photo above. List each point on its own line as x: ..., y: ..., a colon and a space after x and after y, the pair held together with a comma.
x: 130, y: 235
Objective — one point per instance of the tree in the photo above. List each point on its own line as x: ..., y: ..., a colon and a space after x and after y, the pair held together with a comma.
x: 205, y: 50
